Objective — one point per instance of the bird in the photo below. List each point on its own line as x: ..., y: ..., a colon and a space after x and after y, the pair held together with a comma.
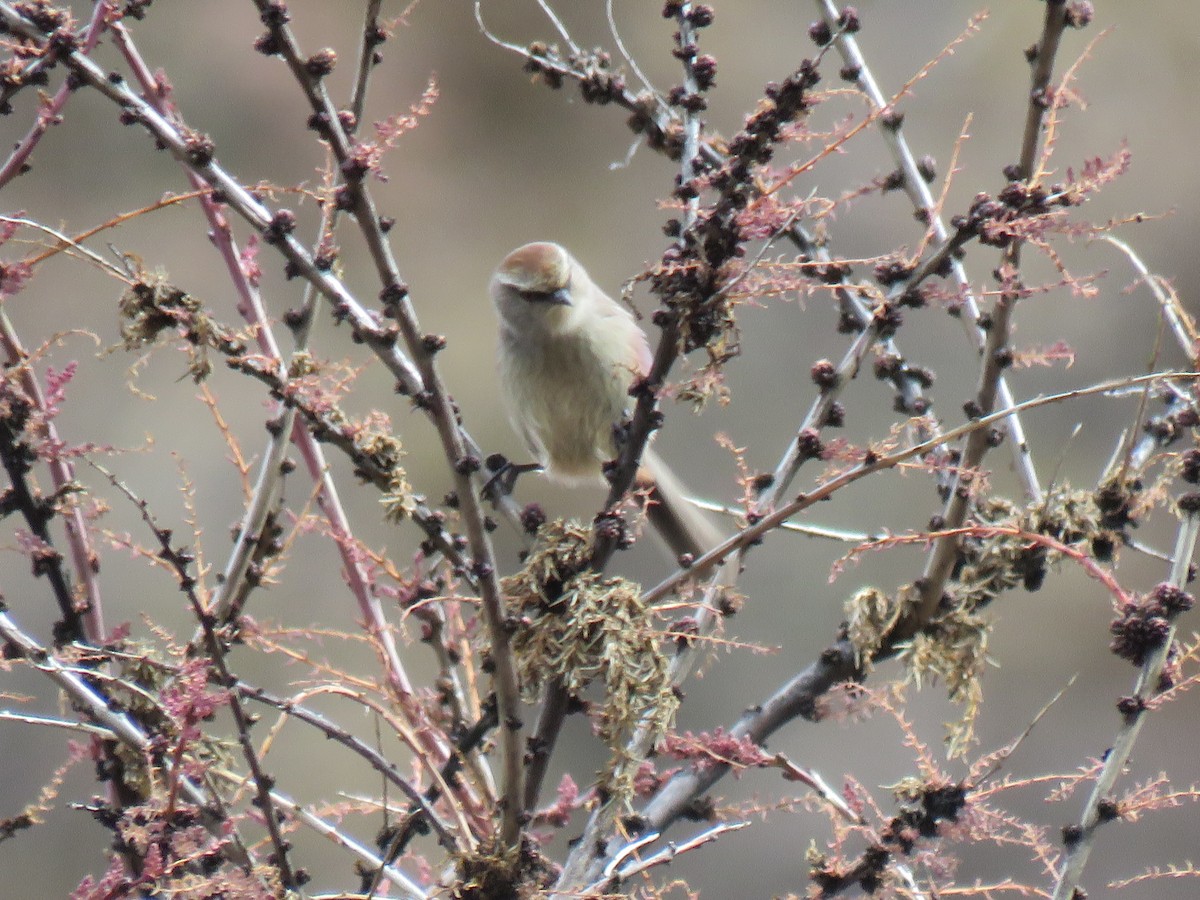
x: 568, y: 355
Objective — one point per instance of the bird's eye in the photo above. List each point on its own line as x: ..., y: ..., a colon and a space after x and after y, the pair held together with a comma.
x: 531, y: 296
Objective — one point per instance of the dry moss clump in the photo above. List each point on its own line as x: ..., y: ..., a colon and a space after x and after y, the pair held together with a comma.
x: 1000, y: 556
x: 578, y: 627
x: 495, y: 873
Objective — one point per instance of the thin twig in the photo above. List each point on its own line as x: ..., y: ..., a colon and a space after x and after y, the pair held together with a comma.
x: 917, y: 189
x: 1079, y: 849
x: 435, y: 400
x: 99, y: 709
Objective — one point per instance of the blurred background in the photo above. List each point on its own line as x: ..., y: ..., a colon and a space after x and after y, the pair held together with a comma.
x: 501, y: 160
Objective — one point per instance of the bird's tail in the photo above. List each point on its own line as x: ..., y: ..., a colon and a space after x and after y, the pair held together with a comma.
x: 683, y: 527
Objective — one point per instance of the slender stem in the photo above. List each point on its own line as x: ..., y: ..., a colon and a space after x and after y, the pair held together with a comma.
x: 1117, y: 757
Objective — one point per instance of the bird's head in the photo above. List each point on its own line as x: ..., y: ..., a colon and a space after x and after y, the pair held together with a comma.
x: 538, y: 285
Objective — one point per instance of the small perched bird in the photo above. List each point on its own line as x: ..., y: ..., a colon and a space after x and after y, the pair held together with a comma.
x: 568, y: 355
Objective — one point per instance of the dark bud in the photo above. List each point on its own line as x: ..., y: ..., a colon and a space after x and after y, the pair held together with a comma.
x: 200, y: 149
x: 927, y: 166
x: 1138, y: 631
x: 891, y: 272
x: 375, y: 36
x: 282, y: 224
x: 849, y: 20
x: 892, y: 181
x: 1187, y: 418
x: 922, y: 376
x: 887, y: 365
x: 533, y: 517
x: 343, y: 198
x: 728, y: 604
x: 612, y: 528
x: 1190, y: 466
x: 685, y: 631
x: 704, y: 68
x: 1071, y: 835
x: 321, y: 63
x: 1103, y: 548
x: 761, y: 482
x: 835, y: 416
x: 1131, y: 706
x: 268, y: 44
x: 686, y: 191
x: 886, y: 319
x: 849, y: 73
x: 702, y: 809
x: 820, y: 33
x: 275, y: 14
x: 808, y: 444
x: 1107, y: 810
x: 325, y: 259
x: 824, y: 374
x: 892, y: 119
x: 701, y: 16
x: 1014, y: 194
x: 433, y: 343
x: 393, y: 294
x: 1079, y: 14
x: 834, y: 273
x: 693, y: 103
x: 1004, y: 357
x: 466, y: 464
x: 1171, y: 599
